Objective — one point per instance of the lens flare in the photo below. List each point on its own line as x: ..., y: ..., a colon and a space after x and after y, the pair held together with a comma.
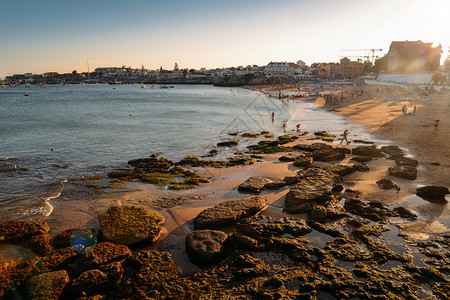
x: 320, y: 102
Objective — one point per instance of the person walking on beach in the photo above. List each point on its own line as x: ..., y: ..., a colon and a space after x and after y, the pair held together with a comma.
x: 345, y: 134
x: 273, y: 116
x: 414, y: 110
x: 298, y: 127
x: 284, y: 127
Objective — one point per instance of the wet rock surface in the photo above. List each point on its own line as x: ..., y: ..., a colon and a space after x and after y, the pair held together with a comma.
x: 229, y: 212
x: 254, y: 184
x: 433, y: 192
x: 371, y: 151
x: 406, y: 172
x: 130, y: 225
x: 205, y: 247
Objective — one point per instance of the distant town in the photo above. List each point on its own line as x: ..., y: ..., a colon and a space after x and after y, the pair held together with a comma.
x: 403, y: 57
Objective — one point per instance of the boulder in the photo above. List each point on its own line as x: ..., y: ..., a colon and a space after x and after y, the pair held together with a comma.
x: 205, y: 247
x: 47, y: 286
x: 405, y: 213
x: 229, y: 212
x: 312, y: 147
x: 406, y: 172
x: 318, y: 213
x: 157, y: 277
x: 123, y: 174
x: 317, y: 155
x: 341, y: 170
x: 362, y: 158
x: 228, y: 144
x: 254, y: 184
x: 371, y: 151
x: 335, y: 210
x: 92, y: 282
x: 393, y: 151
x: 432, y: 192
x: 331, y: 157
x: 387, y: 184
x: 311, y: 190
x: 288, y: 157
x: 84, y: 237
x: 303, y: 161
x: 404, y: 161
x: 361, y: 167
x: 342, y: 150
x: 59, y: 259
x: 11, y: 231
x: 130, y: 225
x: 290, y: 180
x: 273, y: 185
x: 96, y: 256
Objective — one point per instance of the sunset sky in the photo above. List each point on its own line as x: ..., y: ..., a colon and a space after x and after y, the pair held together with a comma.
x: 55, y: 35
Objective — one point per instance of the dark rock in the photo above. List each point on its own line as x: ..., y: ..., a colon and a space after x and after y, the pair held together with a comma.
x: 364, y: 142
x: 284, y: 139
x: 335, y: 210
x: 341, y: 170
x: 239, y: 161
x: 229, y: 212
x: 273, y: 185
x: 387, y: 184
x: 250, y: 135
x: 432, y: 192
x: 290, y: 180
x: 435, y: 164
x: 250, y: 267
x: 39, y: 244
x: 356, y: 222
x: 228, y: 144
x: 312, y: 171
x: 85, y: 237
x: 374, y: 211
x: 254, y: 184
x: 361, y: 167
x: 405, y: 213
x: 157, y: 277
x: 393, y: 150
x: 317, y: 155
x: 371, y: 151
x: 59, y: 259
x: 332, y: 157
x: 123, y: 174
x: 96, y: 256
x: 11, y: 231
x: 303, y: 161
x: 288, y: 157
x: 312, y: 147
x: 47, y: 286
x: 130, y: 225
x: 362, y: 158
x: 205, y: 247
x: 342, y: 150
x: 318, y: 213
x: 404, y: 161
x: 92, y: 282
x: 406, y: 172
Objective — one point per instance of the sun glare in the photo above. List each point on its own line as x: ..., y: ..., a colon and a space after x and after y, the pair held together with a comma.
x: 435, y: 45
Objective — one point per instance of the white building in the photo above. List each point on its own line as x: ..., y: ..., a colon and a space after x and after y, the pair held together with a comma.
x: 274, y: 69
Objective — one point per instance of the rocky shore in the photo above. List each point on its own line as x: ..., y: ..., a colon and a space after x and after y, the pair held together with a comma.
x: 297, y: 227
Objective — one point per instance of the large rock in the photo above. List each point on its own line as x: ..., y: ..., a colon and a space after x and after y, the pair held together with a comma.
x: 157, y: 277
x: 371, y: 151
x: 387, y: 184
x: 404, y: 161
x: 341, y: 170
x: 274, y: 185
x: 59, y: 259
x: 96, y: 281
x: 318, y: 213
x: 406, y: 172
x: 254, y: 184
x: 320, y: 154
x: 303, y: 161
x: 229, y: 212
x: 48, y: 285
x: 312, y: 189
x: 130, y: 225
x: 205, y: 247
x: 331, y: 157
x: 11, y: 231
x: 362, y: 158
x: 335, y: 210
x: 312, y: 147
x: 432, y: 192
x: 99, y: 255
x: 228, y: 144
x: 393, y: 151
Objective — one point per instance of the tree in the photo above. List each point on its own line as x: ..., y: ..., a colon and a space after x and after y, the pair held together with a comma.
x: 175, y: 68
x: 74, y: 72
x: 185, y: 72
x: 193, y: 71
x: 381, y: 64
x: 367, y: 66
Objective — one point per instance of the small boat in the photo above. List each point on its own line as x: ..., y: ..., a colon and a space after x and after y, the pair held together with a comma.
x: 26, y: 94
x: 164, y: 87
x: 143, y: 86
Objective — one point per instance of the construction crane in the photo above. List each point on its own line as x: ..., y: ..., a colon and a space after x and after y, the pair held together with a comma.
x: 371, y: 51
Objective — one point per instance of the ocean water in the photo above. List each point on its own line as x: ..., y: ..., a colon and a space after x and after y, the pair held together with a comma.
x: 64, y: 132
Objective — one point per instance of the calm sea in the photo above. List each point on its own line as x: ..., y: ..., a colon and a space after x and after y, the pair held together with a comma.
x: 64, y: 132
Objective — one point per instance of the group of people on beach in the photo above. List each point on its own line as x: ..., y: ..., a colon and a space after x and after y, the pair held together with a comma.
x: 405, y: 110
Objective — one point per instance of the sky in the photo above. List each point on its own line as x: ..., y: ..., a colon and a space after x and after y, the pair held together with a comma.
x: 61, y: 35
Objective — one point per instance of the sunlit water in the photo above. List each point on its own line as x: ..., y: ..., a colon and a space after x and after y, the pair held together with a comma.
x: 63, y: 132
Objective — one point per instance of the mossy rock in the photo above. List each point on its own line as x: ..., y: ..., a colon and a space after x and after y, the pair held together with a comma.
x: 318, y: 213
x: 130, y: 225
x: 284, y: 139
x: 250, y: 135
x: 268, y: 136
x: 228, y: 144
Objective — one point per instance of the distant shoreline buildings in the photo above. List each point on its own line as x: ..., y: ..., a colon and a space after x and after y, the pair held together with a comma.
x: 411, y: 57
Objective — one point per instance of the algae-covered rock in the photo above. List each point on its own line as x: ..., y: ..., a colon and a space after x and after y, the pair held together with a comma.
x: 318, y: 213
x: 404, y: 161
x: 130, y: 225
x: 325, y: 152
x: 288, y: 157
x: 228, y: 144
x: 58, y: 259
x: 84, y: 237
x: 362, y: 158
x: 387, y: 184
x: 312, y: 147
x: 284, y: 139
x: 229, y: 212
x: 91, y: 282
x: 11, y: 231
x: 205, y: 247
x: 157, y: 277
x: 406, y: 172
x: 432, y: 192
x: 371, y: 151
x: 254, y: 184
x: 335, y: 210
x: 303, y: 161
x: 393, y: 151
x: 276, y: 184
x: 290, y: 180
x: 47, y: 286
x: 341, y: 170
x: 331, y: 157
